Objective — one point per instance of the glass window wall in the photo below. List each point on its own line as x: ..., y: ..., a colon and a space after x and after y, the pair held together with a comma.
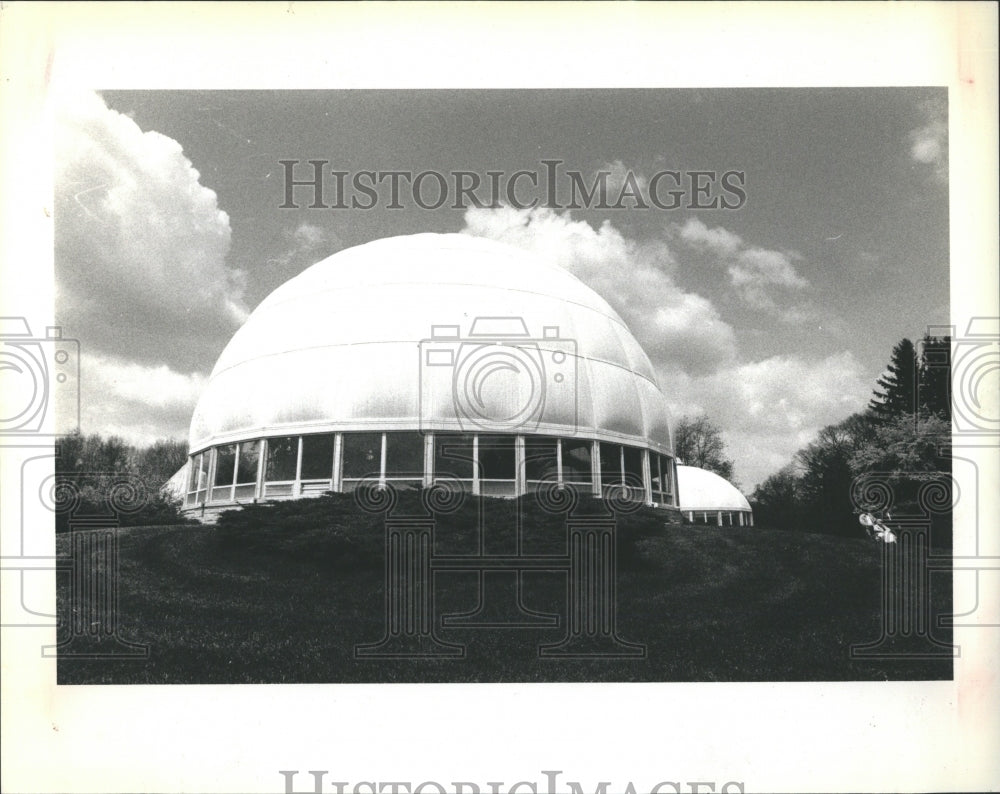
x: 404, y: 456
x: 282, y: 456
x: 576, y: 464
x: 362, y: 455
x: 317, y: 457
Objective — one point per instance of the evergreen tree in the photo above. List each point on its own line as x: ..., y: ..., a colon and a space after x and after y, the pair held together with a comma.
x: 898, y: 394
x: 934, y: 375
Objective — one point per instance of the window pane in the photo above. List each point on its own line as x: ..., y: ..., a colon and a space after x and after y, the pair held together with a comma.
x: 576, y: 461
x: 249, y: 456
x: 362, y: 455
x: 453, y: 455
x: 225, y: 462
x: 496, y: 457
x: 195, y: 473
x: 540, y: 458
x: 317, y: 457
x: 667, y: 471
x: 282, y: 454
x: 404, y: 455
x: 611, y: 464
x: 633, y: 464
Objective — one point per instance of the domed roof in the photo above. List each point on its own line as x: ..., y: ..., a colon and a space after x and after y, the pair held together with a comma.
x: 433, y: 332
x: 699, y: 489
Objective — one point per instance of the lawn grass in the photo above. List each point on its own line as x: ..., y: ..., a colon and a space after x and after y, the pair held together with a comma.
x: 280, y: 601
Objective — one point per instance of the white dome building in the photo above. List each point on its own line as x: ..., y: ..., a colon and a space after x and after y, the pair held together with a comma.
x: 707, y: 498
x: 414, y: 358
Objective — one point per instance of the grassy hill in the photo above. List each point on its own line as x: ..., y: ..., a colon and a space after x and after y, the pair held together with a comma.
x: 284, y: 594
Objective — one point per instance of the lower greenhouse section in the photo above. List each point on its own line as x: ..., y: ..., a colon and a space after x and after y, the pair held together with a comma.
x: 501, y: 465
x: 719, y: 518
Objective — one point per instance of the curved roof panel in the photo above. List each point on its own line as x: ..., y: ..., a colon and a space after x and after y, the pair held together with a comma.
x: 699, y: 489
x: 433, y: 331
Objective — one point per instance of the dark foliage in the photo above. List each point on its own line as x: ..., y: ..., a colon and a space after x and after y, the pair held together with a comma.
x: 336, y: 529
x: 900, y: 443
x: 934, y: 377
x: 776, y: 503
x: 107, y: 480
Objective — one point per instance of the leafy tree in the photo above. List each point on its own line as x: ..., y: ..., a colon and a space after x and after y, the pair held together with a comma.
x: 898, y: 394
x: 827, y: 476
x: 92, y: 467
x: 159, y: 462
x: 910, y: 456
x: 698, y: 442
x: 776, y: 502
x: 898, y: 440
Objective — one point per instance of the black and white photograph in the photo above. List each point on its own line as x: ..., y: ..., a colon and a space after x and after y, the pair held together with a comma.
x: 373, y: 402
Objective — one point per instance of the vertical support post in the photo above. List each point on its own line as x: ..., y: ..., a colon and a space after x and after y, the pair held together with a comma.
x: 236, y: 469
x: 210, y: 483
x: 475, y: 464
x: 595, y: 468
x: 337, y: 483
x: 520, y: 475
x: 381, y: 465
x: 258, y: 492
x: 647, y: 478
x: 297, y: 489
x: 428, y: 479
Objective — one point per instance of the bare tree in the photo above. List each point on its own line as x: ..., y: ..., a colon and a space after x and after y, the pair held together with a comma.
x: 698, y: 442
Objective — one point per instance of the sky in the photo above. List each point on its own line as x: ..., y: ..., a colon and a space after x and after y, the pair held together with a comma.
x: 774, y: 317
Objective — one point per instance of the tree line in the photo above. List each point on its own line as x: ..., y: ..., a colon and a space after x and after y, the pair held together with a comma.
x: 105, y: 477
x: 891, y: 458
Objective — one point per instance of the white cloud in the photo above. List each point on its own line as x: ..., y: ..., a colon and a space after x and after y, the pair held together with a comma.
x: 141, y: 244
x: 302, y: 244
x: 676, y: 328
x: 929, y: 142
x: 767, y: 409
x: 770, y: 409
x: 139, y: 402
x: 719, y: 240
x: 764, y: 279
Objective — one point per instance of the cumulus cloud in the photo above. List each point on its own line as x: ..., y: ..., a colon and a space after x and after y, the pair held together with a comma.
x: 675, y: 327
x: 138, y: 402
x: 140, y: 243
x: 303, y: 243
x: 767, y: 409
x: 764, y: 279
x: 929, y: 142
x: 770, y: 409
